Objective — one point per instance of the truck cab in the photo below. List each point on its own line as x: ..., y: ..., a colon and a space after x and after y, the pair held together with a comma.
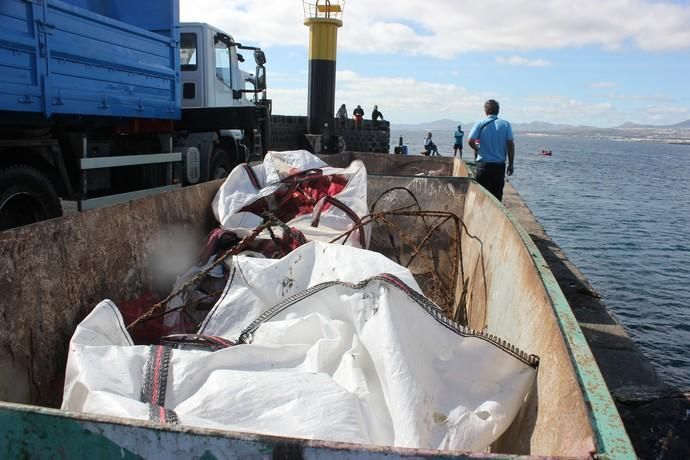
x: 230, y: 121
x: 210, y: 71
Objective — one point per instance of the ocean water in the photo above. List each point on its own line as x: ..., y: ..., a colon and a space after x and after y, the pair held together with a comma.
x: 621, y: 212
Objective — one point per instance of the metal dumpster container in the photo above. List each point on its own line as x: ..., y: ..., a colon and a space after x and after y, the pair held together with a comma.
x: 53, y: 273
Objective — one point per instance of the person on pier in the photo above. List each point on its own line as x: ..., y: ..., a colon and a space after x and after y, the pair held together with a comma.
x: 342, y: 116
x: 492, y: 141
x: 376, y: 115
x: 459, y: 133
x: 429, y: 146
x: 358, y: 115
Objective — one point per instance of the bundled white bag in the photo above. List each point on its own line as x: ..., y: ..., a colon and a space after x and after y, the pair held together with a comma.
x: 248, y: 184
x: 325, y: 351
x: 257, y: 284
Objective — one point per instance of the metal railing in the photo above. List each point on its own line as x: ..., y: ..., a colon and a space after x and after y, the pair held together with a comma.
x: 327, y: 9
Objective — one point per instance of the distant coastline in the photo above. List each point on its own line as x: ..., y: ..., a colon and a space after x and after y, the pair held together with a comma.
x: 670, y: 134
x: 665, y: 138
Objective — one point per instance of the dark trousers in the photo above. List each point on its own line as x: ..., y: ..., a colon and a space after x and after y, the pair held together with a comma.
x: 492, y: 177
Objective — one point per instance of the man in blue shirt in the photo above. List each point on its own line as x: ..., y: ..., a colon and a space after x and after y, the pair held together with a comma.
x: 492, y: 141
x: 458, y: 141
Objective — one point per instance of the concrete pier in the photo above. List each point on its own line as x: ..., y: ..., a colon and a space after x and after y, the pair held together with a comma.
x: 656, y: 416
x: 288, y: 133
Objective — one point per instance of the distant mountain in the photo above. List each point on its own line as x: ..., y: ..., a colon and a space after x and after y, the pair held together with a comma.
x: 630, y: 125
x: 683, y: 125
x: 544, y: 127
x: 669, y: 133
x: 537, y: 126
x: 444, y: 124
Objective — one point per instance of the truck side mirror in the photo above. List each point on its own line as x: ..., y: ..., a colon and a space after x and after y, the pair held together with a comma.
x: 259, y: 57
x: 260, y: 79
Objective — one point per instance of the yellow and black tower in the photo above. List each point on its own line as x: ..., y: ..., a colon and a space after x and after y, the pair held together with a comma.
x: 323, y: 18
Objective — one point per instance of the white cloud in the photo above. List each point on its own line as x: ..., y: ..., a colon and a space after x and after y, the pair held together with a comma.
x: 522, y: 61
x: 562, y: 109
x: 602, y: 85
x: 447, y: 28
x: 656, y: 98
x: 665, y: 114
x: 268, y: 22
x: 288, y: 101
x: 407, y: 100
x: 402, y: 100
x: 559, y: 109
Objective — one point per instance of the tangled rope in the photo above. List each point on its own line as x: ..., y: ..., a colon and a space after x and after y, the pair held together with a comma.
x: 440, y: 287
x: 268, y: 222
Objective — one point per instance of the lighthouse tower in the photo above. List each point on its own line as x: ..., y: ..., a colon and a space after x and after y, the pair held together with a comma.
x: 323, y: 18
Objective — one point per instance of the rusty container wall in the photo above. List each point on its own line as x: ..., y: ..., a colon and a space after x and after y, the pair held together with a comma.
x: 460, y: 169
x: 53, y: 273
x: 504, y: 296
x: 507, y: 298
x: 401, y: 165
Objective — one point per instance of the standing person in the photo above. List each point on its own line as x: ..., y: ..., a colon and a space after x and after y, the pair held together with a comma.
x: 492, y: 142
x: 341, y: 115
x: 376, y: 115
x: 459, y: 134
x: 358, y: 114
x: 429, y: 146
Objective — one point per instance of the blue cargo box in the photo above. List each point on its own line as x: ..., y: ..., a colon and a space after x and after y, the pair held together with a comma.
x: 90, y: 57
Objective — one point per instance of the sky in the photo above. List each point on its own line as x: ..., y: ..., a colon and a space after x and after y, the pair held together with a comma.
x: 588, y: 62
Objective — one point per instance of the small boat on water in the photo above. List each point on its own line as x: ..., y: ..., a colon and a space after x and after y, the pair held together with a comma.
x: 545, y: 152
x: 496, y: 285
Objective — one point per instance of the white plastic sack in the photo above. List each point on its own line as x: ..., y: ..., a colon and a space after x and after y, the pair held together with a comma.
x: 240, y: 190
x: 256, y: 285
x: 369, y: 363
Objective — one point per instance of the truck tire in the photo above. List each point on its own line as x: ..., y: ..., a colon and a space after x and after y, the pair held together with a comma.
x: 26, y: 196
x: 221, y: 164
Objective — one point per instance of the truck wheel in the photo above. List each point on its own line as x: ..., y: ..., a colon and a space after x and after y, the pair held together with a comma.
x: 26, y: 196
x: 221, y: 165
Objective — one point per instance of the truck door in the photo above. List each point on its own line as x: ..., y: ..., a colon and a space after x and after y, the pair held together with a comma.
x: 191, y: 64
x: 225, y: 77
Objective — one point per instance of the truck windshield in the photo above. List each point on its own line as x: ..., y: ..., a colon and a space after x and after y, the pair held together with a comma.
x: 188, y: 51
x: 223, y: 64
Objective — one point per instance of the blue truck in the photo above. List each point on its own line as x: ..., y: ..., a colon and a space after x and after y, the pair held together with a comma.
x: 104, y: 101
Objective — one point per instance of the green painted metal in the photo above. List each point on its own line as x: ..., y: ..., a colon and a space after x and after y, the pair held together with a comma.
x: 38, y: 433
